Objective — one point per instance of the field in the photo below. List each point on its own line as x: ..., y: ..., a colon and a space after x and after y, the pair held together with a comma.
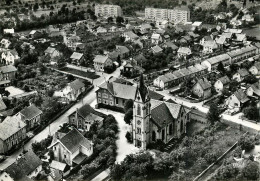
x: 89, y: 75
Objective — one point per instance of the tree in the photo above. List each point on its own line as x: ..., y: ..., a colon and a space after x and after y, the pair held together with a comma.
x: 110, y: 19
x: 74, y: 3
x: 251, y: 112
x: 246, y: 143
x: 36, y: 7
x: 129, y: 137
x: 214, y: 114
x: 70, y: 77
x: 4, y: 92
x: 128, y: 116
x: 119, y: 20
x: 251, y: 171
x: 250, y: 79
x: 128, y: 104
x: 220, y: 67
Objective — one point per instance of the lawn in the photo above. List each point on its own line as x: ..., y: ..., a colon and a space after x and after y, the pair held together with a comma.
x: 89, y: 75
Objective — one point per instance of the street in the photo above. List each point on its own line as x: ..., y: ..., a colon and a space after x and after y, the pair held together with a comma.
x: 54, y: 126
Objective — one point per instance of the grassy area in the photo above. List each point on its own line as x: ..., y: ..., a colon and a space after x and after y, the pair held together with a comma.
x: 89, y: 75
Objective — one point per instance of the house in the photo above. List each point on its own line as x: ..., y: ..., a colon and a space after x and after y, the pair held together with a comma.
x: 9, y: 31
x: 101, y: 61
x: 31, y: 116
x: 139, y: 59
x: 170, y: 45
x: 27, y: 165
x: 202, y: 88
x: 52, y: 52
x: 5, y: 43
x: 9, y: 57
x: 253, y: 89
x: 77, y: 57
x: 156, y: 120
x: 240, y: 75
x: 184, y: 52
x: 84, y: 117
x: 12, y: 133
x: 26, y: 45
x: 73, y: 90
x: 7, y: 74
x: 209, y: 46
x: 145, y: 27
x: 5, y: 176
x: 57, y: 170
x: 130, y: 70
x: 248, y: 18
x: 237, y: 100
x: 113, y: 94
x: 213, y: 62
x: 221, y: 41
x: 156, y: 49
x: 34, y: 34
x: 72, y: 148
x: 255, y: 69
x: 204, y: 39
x: 243, y: 53
x: 72, y: 41
x: 123, y: 51
x: 222, y: 83
x: 101, y: 30
x: 130, y: 36
x: 241, y: 38
x: 156, y: 38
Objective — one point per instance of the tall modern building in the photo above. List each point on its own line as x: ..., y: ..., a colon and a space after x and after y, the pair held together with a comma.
x: 176, y: 15
x: 108, y: 10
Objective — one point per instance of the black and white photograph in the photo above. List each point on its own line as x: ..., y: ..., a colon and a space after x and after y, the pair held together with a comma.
x: 129, y: 90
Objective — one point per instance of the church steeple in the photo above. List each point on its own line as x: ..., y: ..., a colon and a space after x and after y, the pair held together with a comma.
x: 143, y: 90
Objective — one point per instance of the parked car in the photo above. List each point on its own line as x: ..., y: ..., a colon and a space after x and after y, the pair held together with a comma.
x: 2, y: 158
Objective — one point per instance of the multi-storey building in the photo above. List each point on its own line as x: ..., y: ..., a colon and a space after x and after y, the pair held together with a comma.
x: 108, y: 10
x: 176, y: 15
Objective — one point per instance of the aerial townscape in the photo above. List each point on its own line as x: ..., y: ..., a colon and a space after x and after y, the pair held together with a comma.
x: 129, y: 90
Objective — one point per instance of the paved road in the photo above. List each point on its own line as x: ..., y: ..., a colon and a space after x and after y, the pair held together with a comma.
x: 54, y: 126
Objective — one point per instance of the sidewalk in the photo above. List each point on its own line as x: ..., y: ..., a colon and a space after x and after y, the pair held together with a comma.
x: 102, y: 176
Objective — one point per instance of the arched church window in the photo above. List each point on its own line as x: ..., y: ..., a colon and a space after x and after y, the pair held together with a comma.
x: 139, y: 110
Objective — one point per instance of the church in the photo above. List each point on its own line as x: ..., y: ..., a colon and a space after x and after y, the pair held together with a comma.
x: 156, y: 120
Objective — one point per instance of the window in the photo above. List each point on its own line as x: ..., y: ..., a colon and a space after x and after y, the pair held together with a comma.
x: 170, y: 129
x: 111, y: 97
x: 99, y: 94
x: 139, y: 110
x: 116, y: 99
x: 111, y: 103
x: 65, y: 156
x: 99, y: 100
x: 138, y: 130
x: 54, y: 148
x: 104, y: 95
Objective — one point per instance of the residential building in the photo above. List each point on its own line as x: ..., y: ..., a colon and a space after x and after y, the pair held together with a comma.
x: 248, y: 18
x: 34, y: 34
x: 184, y: 52
x: 156, y: 38
x: 27, y: 165
x: 71, y: 41
x: 77, y: 57
x: 9, y: 57
x: 73, y: 90
x: 240, y: 75
x: 5, y: 43
x: 253, y: 89
x: 237, y: 100
x: 9, y: 31
x: 202, y: 89
x: 71, y: 148
x: 242, y: 53
x: 84, y: 117
x: 156, y: 120
x: 7, y: 74
x: 255, y: 69
x: 52, y: 52
x: 31, y: 116
x: 222, y: 83
x: 178, y: 15
x: 171, y: 45
x: 241, y: 38
x: 101, y: 61
x: 213, y: 62
x: 130, y: 36
x: 132, y: 70
x: 113, y: 94
x: 209, y: 46
x: 12, y: 133
x: 108, y: 10
x: 156, y: 49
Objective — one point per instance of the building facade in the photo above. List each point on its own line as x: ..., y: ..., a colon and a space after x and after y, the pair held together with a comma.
x: 108, y: 10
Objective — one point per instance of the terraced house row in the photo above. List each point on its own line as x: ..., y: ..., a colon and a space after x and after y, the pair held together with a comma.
x: 234, y: 56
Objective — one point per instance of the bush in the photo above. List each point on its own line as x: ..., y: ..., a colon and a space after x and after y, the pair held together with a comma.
x: 129, y: 137
x: 246, y: 143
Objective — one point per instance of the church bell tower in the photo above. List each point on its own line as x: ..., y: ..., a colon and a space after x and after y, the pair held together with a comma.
x: 141, y: 116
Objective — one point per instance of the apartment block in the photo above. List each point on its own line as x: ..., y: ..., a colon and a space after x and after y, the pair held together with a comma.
x: 176, y: 15
x: 108, y: 10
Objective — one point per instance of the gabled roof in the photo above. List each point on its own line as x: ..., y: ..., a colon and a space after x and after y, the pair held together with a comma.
x: 2, y: 105
x: 10, y: 126
x: 100, y: 59
x: 204, y: 83
x: 155, y: 36
x: 243, y: 72
x: 74, y: 140
x: 225, y: 80
x: 257, y: 65
x: 30, y: 112
x: 14, y: 53
x: 184, y: 50
x: 221, y: 40
x: 76, y: 84
x: 24, y: 165
x: 157, y: 49
x: 217, y: 59
x: 240, y: 37
x: 211, y: 43
x: 7, y: 69
x: 131, y: 34
x: 85, y: 110
x: 76, y: 56
x: 172, y: 45
x: 122, y: 49
x: 58, y: 165
x: 154, y: 95
x: 49, y: 50
x: 256, y: 88
x: 241, y: 96
x: 139, y: 58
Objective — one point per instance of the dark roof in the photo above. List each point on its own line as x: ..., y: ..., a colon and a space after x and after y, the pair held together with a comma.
x: 74, y: 139
x: 241, y: 96
x: 155, y: 95
x: 204, y: 83
x: 8, y: 68
x: 143, y: 90
x: 243, y: 72
x: 30, y: 112
x: 120, y: 81
x: 139, y: 58
x: 225, y: 80
x: 85, y: 110
x: 24, y: 165
x: 76, y: 84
